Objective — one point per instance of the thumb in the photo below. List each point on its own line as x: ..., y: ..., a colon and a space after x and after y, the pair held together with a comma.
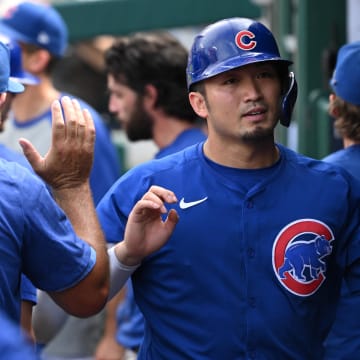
x: 30, y: 153
x: 172, y: 220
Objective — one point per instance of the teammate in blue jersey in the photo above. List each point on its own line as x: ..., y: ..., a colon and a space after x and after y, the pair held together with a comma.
x: 60, y: 249
x: 344, y: 106
x: 43, y: 36
x: 237, y: 246
x: 148, y: 96
x: 17, y: 73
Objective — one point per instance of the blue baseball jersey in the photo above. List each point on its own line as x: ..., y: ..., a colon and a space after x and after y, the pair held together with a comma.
x: 343, y: 341
x: 13, y: 344
x: 254, y: 266
x: 11, y: 155
x: 130, y: 322
x: 36, y: 239
x: 106, y: 166
x: 28, y: 290
x: 348, y: 158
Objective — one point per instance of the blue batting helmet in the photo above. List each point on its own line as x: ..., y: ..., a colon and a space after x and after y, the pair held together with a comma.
x: 17, y: 71
x: 235, y: 42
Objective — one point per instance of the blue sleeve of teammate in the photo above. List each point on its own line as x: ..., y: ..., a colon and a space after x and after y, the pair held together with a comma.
x: 343, y: 341
x: 28, y: 290
x: 49, y: 241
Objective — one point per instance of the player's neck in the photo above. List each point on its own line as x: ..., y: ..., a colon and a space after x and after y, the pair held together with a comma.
x: 242, y: 156
x: 167, y: 129
x: 349, y: 142
x: 34, y: 101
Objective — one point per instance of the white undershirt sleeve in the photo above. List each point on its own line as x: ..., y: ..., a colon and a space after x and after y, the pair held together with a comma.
x: 119, y: 273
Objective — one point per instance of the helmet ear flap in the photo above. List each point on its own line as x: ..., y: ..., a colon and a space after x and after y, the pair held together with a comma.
x: 288, y: 101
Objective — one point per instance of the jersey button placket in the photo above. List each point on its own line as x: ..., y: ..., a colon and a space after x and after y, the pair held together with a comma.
x: 252, y: 301
x: 249, y: 204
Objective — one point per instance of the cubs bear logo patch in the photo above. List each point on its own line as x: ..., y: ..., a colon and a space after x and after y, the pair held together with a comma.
x: 298, y: 255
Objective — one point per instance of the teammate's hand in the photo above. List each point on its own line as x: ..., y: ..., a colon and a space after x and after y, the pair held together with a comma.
x: 69, y: 160
x: 145, y: 231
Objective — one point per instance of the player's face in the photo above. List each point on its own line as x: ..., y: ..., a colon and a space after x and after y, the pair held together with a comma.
x: 243, y: 103
x: 127, y: 106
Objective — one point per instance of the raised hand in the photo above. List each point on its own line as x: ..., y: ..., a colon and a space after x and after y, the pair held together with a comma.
x: 68, y: 162
x: 146, y: 232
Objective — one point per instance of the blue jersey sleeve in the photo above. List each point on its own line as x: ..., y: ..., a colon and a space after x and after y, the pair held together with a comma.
x: 37, y: 239
x: 28, y: 290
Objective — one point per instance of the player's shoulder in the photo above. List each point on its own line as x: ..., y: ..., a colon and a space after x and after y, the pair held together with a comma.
x: 16, y: 180
x: 13, y: 169
x: 173, y: 162
x: 332, y: 172
x: 85, y: 105
x: 154, y: 171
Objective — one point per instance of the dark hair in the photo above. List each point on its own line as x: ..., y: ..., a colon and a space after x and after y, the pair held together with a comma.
x: 155, y: 58
x: 347, y: 122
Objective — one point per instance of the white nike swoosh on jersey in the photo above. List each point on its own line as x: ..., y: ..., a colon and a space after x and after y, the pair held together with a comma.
x: 185, y: 205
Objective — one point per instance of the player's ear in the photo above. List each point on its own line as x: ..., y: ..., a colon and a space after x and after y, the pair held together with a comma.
x: 333, y: 109
x: 198, y: 103
x: 150, y: 97
x: 37, y: 61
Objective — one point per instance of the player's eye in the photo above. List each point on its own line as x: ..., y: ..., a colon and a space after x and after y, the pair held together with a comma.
x: 230, y: 80
x: 266, y: 75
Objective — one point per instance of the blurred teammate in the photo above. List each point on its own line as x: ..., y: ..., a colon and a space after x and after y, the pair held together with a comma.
x: 17, y: 73
x: 344, y: 107
x: 66, y: 259
x: 148, y: 95
x: 43, y: 36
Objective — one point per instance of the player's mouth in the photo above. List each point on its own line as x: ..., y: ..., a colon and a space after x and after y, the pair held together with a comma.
x: 255, y: 114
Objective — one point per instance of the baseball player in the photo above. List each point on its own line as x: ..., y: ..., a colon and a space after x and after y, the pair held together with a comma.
x: 344, y: 106
x: 237, y: 246
x: 18, y: 74
x: 66, y: 259
x: 43, y: 36
x: 148, y: 96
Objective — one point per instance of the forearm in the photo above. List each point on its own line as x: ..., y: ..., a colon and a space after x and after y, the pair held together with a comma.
x: 119, y: 273
x: 78, y: 205
x: 110, y: 326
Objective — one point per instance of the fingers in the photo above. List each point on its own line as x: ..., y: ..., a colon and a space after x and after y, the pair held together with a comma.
x: 157, y: 195
x: 70, y: 122
x: 89, y: 139
x: 30, y: 153
x: 172, y: 220
x: 58, y: 124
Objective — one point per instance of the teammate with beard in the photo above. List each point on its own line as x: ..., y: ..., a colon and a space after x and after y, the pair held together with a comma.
x: 147, y: 85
